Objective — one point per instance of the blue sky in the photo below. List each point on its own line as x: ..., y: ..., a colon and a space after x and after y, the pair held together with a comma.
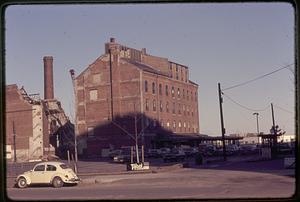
x: 226, y: 43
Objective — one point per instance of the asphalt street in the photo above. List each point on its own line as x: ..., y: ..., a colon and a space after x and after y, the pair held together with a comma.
x: 181, y: 183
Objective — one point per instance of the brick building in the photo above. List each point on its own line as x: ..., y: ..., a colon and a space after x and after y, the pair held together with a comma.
x: 36, y: 128
x: 26, y: 119
x: 125, y: 83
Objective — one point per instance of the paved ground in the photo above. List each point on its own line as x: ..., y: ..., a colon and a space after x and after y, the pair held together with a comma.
x: 184, y: 183
x: 105, y: 167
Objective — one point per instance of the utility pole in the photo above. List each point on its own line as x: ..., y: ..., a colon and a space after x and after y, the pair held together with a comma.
x: 274, y: 130
x: 136, y: 137
x: 14, y: 136
x: 111, y: 87
x: 136, y: 141
x: 257, y: 127
x: 72, y: 72
x: 222, y: 121
x: 273, y: 119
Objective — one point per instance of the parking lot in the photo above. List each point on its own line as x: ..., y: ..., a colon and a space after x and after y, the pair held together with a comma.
x: 235, y: 178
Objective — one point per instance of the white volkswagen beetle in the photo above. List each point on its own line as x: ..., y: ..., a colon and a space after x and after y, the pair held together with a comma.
x: 55, y: 173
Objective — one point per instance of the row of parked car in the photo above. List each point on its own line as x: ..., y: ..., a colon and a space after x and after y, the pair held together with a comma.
x: 167, y: 154
x: 180, y: 153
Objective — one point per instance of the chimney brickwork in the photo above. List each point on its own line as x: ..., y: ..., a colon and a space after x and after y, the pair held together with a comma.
x: 48, y: 78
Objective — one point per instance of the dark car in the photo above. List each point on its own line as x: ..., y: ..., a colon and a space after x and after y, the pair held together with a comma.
x: 121, y: 158
x: 152, y: 153
x: 174, y: 155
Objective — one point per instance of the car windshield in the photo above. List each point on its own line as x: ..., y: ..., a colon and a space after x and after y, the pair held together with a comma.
x: 64, y: 166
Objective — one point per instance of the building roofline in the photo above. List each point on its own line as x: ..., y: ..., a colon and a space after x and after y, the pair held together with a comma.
x: 185, y: 66
x: 99, y: 58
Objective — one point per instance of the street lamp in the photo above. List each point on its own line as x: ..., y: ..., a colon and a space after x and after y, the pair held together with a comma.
x: 72, y: 72
x: 256, y: 114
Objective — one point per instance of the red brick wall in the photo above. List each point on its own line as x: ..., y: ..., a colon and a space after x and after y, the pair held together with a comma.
x: 157, y: 62
x: 128, y: 93
x: 189, y: 117
x: 20, y: 112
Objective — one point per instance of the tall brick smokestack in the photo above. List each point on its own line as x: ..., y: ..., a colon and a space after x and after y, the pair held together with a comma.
x: 48, y: 78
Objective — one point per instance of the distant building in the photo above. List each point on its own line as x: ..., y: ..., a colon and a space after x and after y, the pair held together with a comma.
x: 124, y: 82
x: 287, y: 138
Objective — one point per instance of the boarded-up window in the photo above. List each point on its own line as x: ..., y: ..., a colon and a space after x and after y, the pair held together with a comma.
x: 96, y: 78
x: 93, y: 94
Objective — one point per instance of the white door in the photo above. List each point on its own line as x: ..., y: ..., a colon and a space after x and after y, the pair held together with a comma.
x: 37, y: 175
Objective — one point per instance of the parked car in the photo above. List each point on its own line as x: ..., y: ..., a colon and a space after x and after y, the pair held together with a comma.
x: 113, y: 153
x: 284, y: 148
x: 122, y: 158
x: 152, y: 153
x: 163, y: 151
x: 55, y: 173
x: 189, y: 151
x: 248, y: 149
x: 174, y: 155
x: 232, y: 149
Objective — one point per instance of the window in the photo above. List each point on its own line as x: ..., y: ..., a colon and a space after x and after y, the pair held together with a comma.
x: 160, y: 106
x: 160, y: 89
x: 64, y: 166
x: 174, y: 124
x: 93, y: 95
x: 171, y: 72
x: 195, y: 96
x: 167, y: 106
x: 179, y: 110
x: 153, y: 88
x: 154, y: 105
x: 147, y: 105
x: 97, y: 78
x: 184, y: 125
x: 191, y: 95
x: 167, y: 90
x: 179, y: 124
x: 90, y: 131
x: 187, y: 95
x: 146, y: 86
x: 40, y: 168
x: 173, y: 109
x: 183, y: 93
x: 172, y: 91
x: 188, y: 110
x: 51, y: 168
x: 178, y: 92
x: 168, y: 123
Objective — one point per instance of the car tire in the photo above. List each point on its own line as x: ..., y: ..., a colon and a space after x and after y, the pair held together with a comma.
x: 57, y: 182
x: 22, y: 183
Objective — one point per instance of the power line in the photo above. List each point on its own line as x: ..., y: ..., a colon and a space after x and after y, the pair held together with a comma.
x: 260, y: 77
x: 283, y: 109
x: 247, y: 108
